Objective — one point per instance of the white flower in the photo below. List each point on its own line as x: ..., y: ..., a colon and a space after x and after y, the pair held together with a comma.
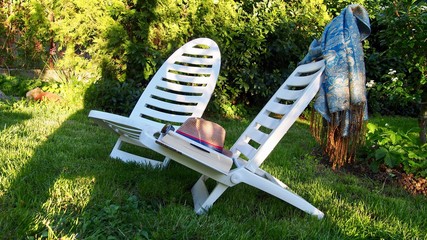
x: 391, y: 71
x: 394, y: 79
x: 370, y: 84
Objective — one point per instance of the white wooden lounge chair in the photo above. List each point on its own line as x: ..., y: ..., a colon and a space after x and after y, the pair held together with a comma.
x: 180, y: 89
x: 251, y: 149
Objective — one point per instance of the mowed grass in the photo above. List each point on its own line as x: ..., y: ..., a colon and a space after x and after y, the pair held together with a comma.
x: 57, y: 181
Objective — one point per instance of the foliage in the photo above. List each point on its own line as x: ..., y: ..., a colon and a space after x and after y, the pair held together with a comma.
x: 113, y: 96
x: 16, y: 87
x: 372, y: 6
x: 396, y: 149
x: 127, y: 41
x: 26, y: 34
x: 394, y: 94
x: 122, y: 44
x: 406, y: 25
x: 262, y: 41
x: 398, y: 46
x: 19, y: 86
x: 259, y: 41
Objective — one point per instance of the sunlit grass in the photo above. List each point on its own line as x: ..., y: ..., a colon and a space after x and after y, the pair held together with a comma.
x: 57, y: 181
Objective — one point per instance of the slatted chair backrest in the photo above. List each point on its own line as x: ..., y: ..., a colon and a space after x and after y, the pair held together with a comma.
x: 278, y: 115
x: 182, y: 87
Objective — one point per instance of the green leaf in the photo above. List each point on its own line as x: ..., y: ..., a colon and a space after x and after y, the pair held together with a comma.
x: 388, y: 160
x: 375, y: 166
x: 393, y: 137
x: 371, y: 127
x: 413, y: 155
x: 380, y: 153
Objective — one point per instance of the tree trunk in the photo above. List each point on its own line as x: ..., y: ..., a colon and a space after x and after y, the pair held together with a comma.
x: 52, y: 45
x: 422, y: 120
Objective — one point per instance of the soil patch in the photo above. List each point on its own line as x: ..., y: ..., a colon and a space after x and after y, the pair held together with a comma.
x: 413, y: 185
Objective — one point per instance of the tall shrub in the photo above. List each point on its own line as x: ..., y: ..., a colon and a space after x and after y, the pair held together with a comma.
x: 24, y: 31
x: 261, y: 42
x: 396, y: 66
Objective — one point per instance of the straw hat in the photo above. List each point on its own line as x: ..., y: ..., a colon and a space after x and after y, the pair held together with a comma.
x: 205, y: 132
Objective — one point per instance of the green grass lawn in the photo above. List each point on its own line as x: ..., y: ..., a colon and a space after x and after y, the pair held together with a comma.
x: 57, y: 181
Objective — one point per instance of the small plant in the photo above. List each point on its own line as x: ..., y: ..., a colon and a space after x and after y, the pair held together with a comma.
x: 18, y: 86
x: 396, y: 149
x: 109, y: 221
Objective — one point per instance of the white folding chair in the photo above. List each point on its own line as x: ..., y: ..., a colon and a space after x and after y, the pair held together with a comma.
x: 180, y: 89
x: 252, y: 147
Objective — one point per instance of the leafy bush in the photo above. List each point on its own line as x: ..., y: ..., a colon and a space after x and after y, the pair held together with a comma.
x: 396, y: 149
x: 113, y: 96
x: 127, y: 41
x: 396, y: 61
x: 261, y: 42
x: 19, y: 86
x: 393, y: 93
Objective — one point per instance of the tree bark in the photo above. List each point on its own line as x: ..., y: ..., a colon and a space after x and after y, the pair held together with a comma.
x: 422, y: 120
x: 52, y: 45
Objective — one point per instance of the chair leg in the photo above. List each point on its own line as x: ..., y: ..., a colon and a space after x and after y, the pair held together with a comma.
x: 280, y: 192
x: 166, y: 162
x: 117, y: 153
x: 202, y: 199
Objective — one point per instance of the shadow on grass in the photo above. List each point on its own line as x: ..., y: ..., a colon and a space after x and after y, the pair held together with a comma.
x: 11, y: 118
x: 70, y: 186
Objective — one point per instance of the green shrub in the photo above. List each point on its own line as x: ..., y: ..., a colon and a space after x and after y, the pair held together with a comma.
x: 19, y: 86
x: 396, y: 60
x: 261, y: 42
x: 394, y: 91
x: 113, y: 96
x: 396, y: 149
x: 127, y: 41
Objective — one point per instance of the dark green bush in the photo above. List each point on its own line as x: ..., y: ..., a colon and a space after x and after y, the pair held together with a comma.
x: 396, y: 61
x: 122, y: 44
x: 18, y: 86
x: 113, y: 95
x: 127, y: 41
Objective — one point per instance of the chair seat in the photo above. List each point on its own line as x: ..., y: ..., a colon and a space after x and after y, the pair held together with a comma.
x: 204, y: 155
